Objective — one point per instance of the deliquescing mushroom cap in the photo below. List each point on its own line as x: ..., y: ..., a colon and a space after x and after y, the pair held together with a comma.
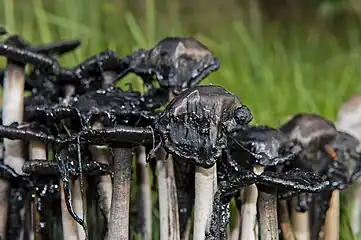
x: 193, y: 124
x: 264, y: 145
x: 177, y: 62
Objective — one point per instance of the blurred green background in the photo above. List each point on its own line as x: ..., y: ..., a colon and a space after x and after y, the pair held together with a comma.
x: 280, y: 57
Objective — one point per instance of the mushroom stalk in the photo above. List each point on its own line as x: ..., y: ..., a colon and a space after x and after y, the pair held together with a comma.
x: 119, y: 213
x: 13, y: 110
x: 163, y: 197
x: 168, y: 207
x: 100, y: 154
x: 256, y: 230
x: 332, y: 220
x: 267, y: 209
x: 173, y: 203
x: 249, y: 213
x: 144, y: 196
x: 104, y: 187
x: 331, y: 228
x: 300, y: 223
x: 205, y: 188
x: 249, y: 210
x: 70, y: 228
x: 286, y: 226
x: 69, y: 224
x: 37, y: 150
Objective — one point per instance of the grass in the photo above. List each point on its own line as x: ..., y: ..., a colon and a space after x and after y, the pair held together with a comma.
x: 275, y: 70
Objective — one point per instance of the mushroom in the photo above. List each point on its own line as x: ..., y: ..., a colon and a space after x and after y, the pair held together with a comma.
x: 343, y: 157
x: 268, y: 147
x: 313, y: 133
x: 176, y: 63
x: 37, y: 149
x: 193, y: 127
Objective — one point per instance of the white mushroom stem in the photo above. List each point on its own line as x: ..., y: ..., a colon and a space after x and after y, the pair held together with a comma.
x: 37, y: 151
x: 100, y: 154
x: 331, y: 227
x: 205, y: 188
x: 249, y: 210
x: 163, y: 194
x: 168, y: 201
x: 332, y: 220
x: 68, y: 223
x: 256, y: 230
x: 285, y: 222
x: 173, y: 217
x: 267, y: 210
x: 144, y: 196
x: 13, y: 110
x: 300, y: 223
x: 70, y: 226
x: 249, y: 213
x: 119, y: 213
x: 168, y: 207
x: 104, y: 187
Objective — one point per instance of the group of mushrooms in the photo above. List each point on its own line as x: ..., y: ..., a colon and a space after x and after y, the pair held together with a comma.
x: 67, y: 165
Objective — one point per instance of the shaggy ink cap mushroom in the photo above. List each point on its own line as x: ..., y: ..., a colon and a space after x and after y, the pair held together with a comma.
x: 57, y: 48
x: 36, y: 81
x: 249, y: 150
x: 84, y: 76
x: 342, y: 160
x: 54, y: 48
x: 266, y: 146
x: 313, y: 133
x: 177, y: 62
x: 194, y: 123
x: 116, y: 106
x: 310, y: 130
x: 269, y: 147
x: 110, y: 103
